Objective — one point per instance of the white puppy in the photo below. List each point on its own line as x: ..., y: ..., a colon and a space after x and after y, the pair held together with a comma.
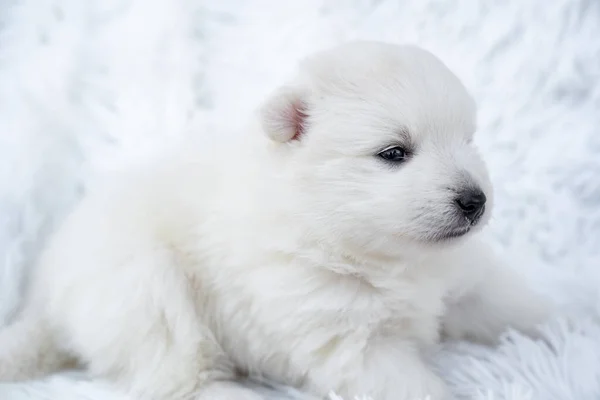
x: 326, y: 251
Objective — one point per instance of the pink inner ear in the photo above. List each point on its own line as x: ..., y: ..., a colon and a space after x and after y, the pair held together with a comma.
x: 299, y: 119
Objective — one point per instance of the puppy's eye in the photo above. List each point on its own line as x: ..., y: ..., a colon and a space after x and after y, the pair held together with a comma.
x: 395, y: 154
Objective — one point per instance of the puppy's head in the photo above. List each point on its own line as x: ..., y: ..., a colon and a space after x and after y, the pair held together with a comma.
x: 377, y: 147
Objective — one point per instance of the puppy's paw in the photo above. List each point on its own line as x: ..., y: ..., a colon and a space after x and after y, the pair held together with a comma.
x: 227, y: 390
x: 421, y: 384
x: 431, y: 387
x: 532, y: 315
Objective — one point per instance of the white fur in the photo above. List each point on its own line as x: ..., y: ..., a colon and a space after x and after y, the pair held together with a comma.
x: 306, y: 260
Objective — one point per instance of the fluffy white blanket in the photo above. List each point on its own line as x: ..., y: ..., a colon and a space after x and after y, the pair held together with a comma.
x: 88, y: 85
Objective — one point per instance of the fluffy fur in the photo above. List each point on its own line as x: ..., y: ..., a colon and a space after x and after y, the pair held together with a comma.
x: 299, y: 255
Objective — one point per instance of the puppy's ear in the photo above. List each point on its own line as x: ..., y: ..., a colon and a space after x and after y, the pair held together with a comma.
x: 284, y: 114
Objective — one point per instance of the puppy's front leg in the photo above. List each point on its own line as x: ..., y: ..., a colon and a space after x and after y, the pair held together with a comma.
x: 389, y: 370
x: 493, y: 299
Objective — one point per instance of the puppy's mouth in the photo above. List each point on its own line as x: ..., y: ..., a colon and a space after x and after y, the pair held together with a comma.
x: 449, y: 234
x: 457, y: 230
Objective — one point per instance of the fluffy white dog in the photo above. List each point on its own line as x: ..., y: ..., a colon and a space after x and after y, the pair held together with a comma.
x: 327, y: 251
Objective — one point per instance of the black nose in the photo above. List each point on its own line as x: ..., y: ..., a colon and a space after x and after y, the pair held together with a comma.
x: 472, y: 204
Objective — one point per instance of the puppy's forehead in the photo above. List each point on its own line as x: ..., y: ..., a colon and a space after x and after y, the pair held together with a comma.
x: 405, y: 85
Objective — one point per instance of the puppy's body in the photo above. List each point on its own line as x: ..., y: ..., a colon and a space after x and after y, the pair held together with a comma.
x: 300, y: 255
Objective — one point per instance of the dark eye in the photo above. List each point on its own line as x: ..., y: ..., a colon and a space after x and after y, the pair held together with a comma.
x: 394, y: 154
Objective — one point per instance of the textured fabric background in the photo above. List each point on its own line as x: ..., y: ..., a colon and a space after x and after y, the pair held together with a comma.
x: 86, y: 86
